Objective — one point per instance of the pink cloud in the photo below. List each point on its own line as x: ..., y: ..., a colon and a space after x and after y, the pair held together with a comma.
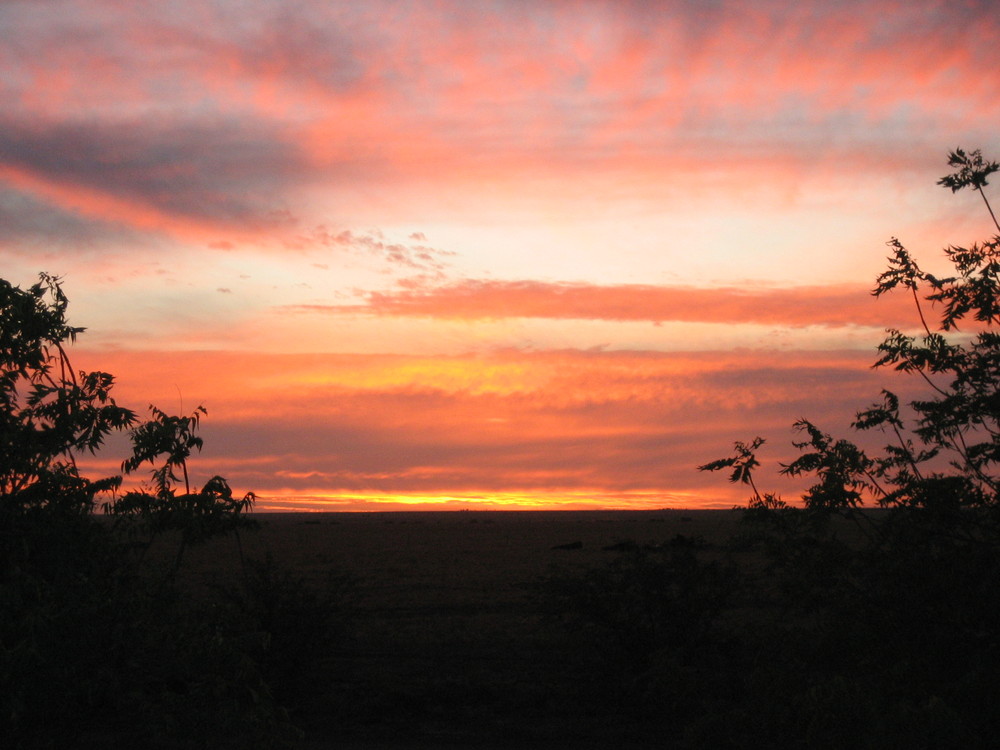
x: 380, y: 95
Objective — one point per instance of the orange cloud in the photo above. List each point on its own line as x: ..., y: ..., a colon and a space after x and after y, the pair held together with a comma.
x: 533, y: 424
x: 836, y: 305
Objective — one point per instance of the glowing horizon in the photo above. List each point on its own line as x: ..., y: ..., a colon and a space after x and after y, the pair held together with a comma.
x: 487, y: 254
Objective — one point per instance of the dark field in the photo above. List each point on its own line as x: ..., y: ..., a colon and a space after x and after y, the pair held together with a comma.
x: 677, y: 629
x: 445, y: 627
x: 450, y: 558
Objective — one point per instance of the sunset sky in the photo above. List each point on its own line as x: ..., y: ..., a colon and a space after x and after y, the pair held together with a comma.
x: 487, y: 254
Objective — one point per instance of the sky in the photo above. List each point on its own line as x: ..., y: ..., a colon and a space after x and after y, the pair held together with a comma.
x: 468, y: 254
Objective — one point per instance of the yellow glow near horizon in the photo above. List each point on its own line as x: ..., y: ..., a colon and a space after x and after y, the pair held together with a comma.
x: 589, y: 500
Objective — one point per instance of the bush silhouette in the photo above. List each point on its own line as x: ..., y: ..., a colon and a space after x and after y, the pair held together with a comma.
x: 93, y: 652
x: 943, y: 457
x: 877, y: 601
x: 864, y: 616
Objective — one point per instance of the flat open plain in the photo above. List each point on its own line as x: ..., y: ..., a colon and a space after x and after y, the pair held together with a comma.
x: 444, y: 632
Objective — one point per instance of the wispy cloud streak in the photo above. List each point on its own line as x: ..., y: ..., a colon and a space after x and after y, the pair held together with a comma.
x: 838, y: 305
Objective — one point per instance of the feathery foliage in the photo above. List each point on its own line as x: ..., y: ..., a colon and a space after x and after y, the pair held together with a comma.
x: 96, y: 648
x: 876, y: 605
x: 943, y: 453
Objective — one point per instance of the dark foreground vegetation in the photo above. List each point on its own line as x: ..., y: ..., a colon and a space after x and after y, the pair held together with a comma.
x: 865, y: 618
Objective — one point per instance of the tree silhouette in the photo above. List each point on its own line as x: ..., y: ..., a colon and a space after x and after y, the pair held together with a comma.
x: 943, y: 455
x: 96, y: 649
x: 882, y: 631
x: 49, y: 413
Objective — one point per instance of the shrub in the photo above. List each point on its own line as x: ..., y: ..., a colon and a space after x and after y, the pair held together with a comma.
x: 91, y: 652
x: 943, y: 457
x: 889, y: 637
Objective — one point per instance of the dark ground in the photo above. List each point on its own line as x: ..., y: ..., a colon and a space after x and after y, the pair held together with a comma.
x: 443, y: 632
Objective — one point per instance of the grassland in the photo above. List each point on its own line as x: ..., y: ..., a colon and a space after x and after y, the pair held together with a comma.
x: 442, y: 626
x: 677, y: 629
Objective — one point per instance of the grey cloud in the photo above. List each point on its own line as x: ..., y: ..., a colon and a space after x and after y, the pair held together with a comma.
x: 28, y: 223
x: 223, y: 171
x: 296, y: 45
